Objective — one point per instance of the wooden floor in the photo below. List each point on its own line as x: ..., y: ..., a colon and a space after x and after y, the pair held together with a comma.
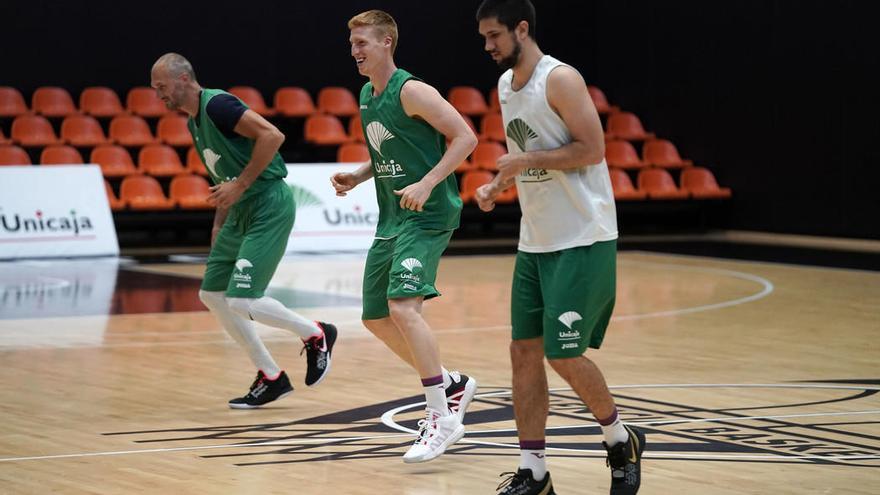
x: 749, y: 379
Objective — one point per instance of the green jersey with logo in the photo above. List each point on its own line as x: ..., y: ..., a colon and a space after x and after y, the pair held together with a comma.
x: 225, y: 158
x: 403, y: 150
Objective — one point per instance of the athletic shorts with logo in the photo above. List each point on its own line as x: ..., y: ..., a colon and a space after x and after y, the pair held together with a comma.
x: 566, y: 297
x: 251, y: 243
x: 401, y: 267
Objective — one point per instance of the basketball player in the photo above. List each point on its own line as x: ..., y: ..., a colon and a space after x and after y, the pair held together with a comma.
x: 255, y: 213
x: 406, y: 124
x: 564, y: 277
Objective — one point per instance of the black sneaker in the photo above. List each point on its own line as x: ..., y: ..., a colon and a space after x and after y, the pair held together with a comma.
x: 460, y: 393
x: 318, y: 351
x: 263, y: 391
x: 625, y: 460
x: 522, y: 483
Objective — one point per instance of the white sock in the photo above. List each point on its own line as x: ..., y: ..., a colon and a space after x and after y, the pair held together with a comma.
x: 242, y: 331
x: 447, y: 381
x: 613, y: 430
x: 535, y: 460
x: 435, y: 394
x: 271, y: 312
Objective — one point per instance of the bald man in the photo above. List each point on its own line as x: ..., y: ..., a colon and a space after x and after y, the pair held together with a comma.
x: 253, y: 220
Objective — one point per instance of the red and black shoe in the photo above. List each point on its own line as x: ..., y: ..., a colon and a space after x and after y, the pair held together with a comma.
x: 460, y: 393
x: 263, y: 391
x: 318, y: 351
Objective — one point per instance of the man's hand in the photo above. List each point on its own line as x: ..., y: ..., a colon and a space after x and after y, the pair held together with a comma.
x: 510, y: 165
x: 343, y: 182
x: 225, y: 194
x: 485, y: 196
x: 414, y: 196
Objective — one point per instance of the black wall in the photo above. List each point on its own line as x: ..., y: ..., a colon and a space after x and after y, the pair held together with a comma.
x: 778, y: 97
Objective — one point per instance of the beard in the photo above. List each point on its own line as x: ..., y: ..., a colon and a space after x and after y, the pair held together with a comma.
x: 509, y: 61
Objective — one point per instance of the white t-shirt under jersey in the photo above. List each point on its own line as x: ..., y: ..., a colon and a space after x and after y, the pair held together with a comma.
x: 561, y: 209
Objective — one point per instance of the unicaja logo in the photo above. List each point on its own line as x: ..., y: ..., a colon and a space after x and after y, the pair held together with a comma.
x: 411, y: 264
x: 211, y: 160
x: 569, y: 318
x: 241, y: 264
x: 40, y: 222
x: 378, y: 134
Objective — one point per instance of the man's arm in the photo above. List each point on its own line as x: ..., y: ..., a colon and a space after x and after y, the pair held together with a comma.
x: 568, y: 97
x: 423, y: 101
x: 267, y: 140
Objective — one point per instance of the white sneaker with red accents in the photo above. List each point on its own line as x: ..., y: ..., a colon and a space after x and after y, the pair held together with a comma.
x: 436, y: 434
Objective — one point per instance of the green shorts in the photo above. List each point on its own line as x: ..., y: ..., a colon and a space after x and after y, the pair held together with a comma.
x: 405, y: 266
x: 251, y: 243
x: 565, y: 296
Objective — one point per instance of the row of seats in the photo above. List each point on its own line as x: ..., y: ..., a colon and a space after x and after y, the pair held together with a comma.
x: 141, y: 192
x: 115, y: 161
x: 85, y: 131
x: 189, y: 191
x: 289, y: 101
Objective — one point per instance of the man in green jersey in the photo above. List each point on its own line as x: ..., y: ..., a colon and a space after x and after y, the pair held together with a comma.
x: 254, y: 217
x: 406, y: 124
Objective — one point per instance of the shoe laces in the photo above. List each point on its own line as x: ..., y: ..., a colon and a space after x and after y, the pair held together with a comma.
x: 258, y: 380
x: 429, y: 423
x: 513, y: 479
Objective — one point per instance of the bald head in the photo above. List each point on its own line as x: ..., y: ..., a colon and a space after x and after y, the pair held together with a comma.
x: 175, y: 82
x: 175, y: 65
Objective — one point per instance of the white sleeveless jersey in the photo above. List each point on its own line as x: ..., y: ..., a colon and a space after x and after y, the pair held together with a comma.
x: 561, y: 209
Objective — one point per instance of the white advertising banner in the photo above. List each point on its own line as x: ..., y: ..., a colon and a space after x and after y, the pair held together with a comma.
x: 325, y: 221
x: 57, y: 211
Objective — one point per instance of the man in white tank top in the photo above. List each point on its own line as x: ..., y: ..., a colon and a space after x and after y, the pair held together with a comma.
x: 564, y: 280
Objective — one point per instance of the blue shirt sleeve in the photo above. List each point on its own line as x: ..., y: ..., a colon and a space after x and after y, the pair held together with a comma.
x: 225, y: 111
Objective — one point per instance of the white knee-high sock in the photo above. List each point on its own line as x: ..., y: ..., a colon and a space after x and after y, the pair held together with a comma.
x: 242, y: 331
x: 271, y: 312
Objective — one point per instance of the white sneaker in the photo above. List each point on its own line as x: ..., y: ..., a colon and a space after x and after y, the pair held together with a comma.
x: 460, y: 393
x: 436, y: 433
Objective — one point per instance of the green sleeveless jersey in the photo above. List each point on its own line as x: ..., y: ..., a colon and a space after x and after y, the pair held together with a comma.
x: 225, y: 158
x: 403, y: 150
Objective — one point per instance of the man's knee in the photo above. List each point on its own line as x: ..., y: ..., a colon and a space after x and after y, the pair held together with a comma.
x: 524, y: 350
x: 213, y: 300
x: 566, y: 366
x: 402, y: 310
x: 241, y: 306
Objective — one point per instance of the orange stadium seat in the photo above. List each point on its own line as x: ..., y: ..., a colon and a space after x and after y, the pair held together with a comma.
x: 626, y: 125
x: 623, y: 186
x: 353, y: 153
x: 621, y: 154
x: 83, y: 131
x: 159, y: 160
x: 190, y: 192
x: 172, y: 130
x: 468, y: 100
x: 33, y: 130
x: 52, y: 102
x: 486, y: 155
x: 60, y: 154
x: 338, y: 101
x: 662, y: 153
x: 194, y: 164
x: 293, y: 101
x: 144, y: 102
x: 472, y: 180
x: 701, y: 184
x: 99, y: 101
x: 13, y: 155
x: 253, y: 99
x: 600, y: 101
x: 323, y: 129
x: 116, y: 204
x: 131, y: 130
x: 492, y: 127
x: 12, y: 103
x: 115, y: 161
x: 659, y: 184
x: 141, y: 192
x: 355, y: 129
